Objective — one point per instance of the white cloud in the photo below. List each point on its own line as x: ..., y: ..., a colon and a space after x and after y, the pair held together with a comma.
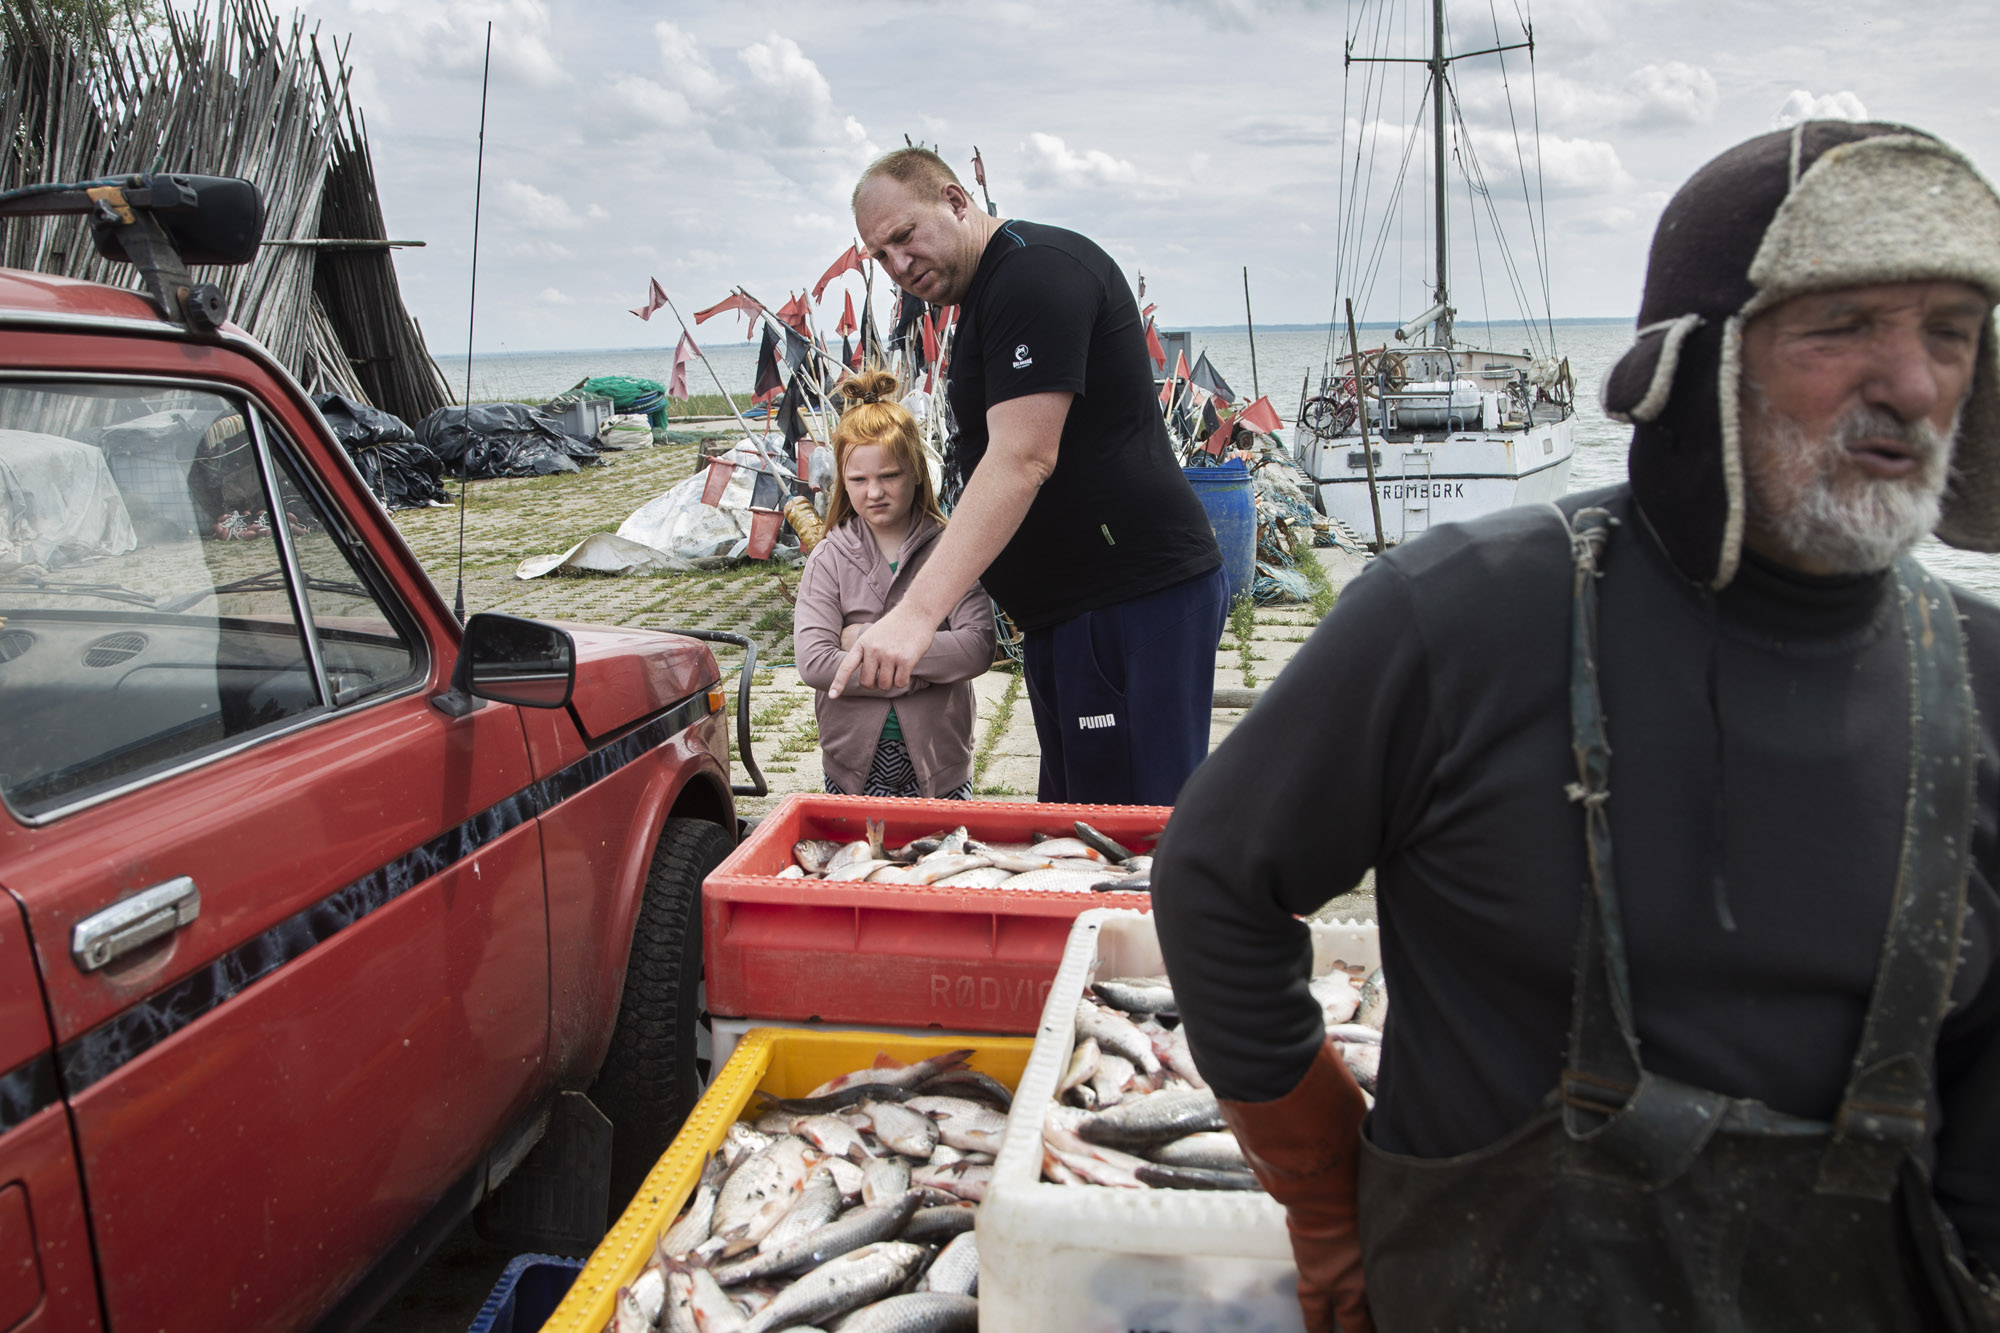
x: 1050, y: 161
x: 533, y: 210
x: 794, y: 98
x: 638, y: 103
x: 687, y: 69
x: 1802, y: 105
x: 555, y: 296
x: 1669, y: 95
x: 450, y: 35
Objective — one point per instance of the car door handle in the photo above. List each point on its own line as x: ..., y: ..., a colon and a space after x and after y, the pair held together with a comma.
x: 140, y: 919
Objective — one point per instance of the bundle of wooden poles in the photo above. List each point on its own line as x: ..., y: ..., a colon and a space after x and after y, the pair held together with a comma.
x: 230, y: 92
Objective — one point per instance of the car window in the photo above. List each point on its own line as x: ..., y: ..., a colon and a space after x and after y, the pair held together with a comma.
x: 144, y: 613
x: 363, y: 644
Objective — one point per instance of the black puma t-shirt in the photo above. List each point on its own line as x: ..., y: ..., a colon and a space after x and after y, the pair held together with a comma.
x: 1049, y: 312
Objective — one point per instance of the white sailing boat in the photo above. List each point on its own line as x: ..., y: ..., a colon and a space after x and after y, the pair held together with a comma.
x: 1452, y: 431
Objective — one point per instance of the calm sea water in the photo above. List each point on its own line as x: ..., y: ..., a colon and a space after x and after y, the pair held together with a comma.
x: 1285, y: 358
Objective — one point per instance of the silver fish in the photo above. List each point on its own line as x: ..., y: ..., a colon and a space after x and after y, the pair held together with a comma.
x: 839, y: 1285
x: 818, y: 1203
x: 861, y: 1226
x: 691, y: 1228
x: 626, y: 1316
x: 986, y: 875
x: 936, y: 866
x: 833, y: 1136
x: 884, y: 1180
x: 1017, y: 858
x: 1374, y: 1010
x: 895, y: 1076
x: 792, y: 872
x: 1116, y: 1034
x: 846, y: 1175
x: 741, y: 1141
x: 1196, y: 1178
x: 1363, y: 1060
x: 864, y: 868
x: 1155, y: 1119
x: 940, y: 1222
x: 758, y: 1193
x: 962, y: 1179
x: 813, y: 854
x: 678, y: 1316
x: 1172, y: 1048
x: 1353, y: 1034
x: 916, y: 1312
x: 901, y: 1129
x: 1061, y: 848
x: 847, y: 856
x: 1048, y: 879
x: 713, y: 1311
x: 971, y: 1085
x: 1082, y: 1067
x: 1110, y: 848
x: 1336, y: 996
x: 1113, y: 1077
x: 1216, y: 1150
x: 965, y: 1125
x: 1136, y: 997
x: 956, y: 1269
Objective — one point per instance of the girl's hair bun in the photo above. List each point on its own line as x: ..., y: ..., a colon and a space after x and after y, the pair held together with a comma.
x: 870, y: 386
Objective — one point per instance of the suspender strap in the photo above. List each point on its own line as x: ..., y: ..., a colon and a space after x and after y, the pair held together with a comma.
x: 1650, y: 1126
x: 1882, y: 1113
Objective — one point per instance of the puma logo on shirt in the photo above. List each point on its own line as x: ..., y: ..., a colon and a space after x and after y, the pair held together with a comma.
x: 1097, y: 720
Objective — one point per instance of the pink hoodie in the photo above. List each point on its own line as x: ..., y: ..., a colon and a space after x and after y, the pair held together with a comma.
x: 847, y: 582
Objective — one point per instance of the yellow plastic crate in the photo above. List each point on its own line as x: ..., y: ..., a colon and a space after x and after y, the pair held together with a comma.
x: 780, y: 1061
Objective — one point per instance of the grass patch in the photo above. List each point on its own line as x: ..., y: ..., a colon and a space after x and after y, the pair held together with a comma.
x: 996, y: 727
x: 997, y: 789
x: 1324, y: 594
x: 777, y: 620
x: 804, y: 739
x: 771, y: 714
x: 1243, y: 617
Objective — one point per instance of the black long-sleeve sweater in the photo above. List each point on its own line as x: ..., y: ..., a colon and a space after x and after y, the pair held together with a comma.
x: 1759, y: 743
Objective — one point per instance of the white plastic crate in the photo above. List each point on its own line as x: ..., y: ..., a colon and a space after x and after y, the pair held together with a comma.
x: 1101, y: 1260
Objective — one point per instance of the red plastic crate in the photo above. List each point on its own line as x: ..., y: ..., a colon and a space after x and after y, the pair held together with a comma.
x: 905, y: 955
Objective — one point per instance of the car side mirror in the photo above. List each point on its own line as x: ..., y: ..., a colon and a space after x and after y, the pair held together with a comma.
x: 511, y: 661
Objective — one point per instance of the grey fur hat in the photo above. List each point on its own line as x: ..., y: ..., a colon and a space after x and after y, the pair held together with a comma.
x: 1821, y: 206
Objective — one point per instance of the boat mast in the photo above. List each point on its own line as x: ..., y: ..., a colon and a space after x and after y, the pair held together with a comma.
x: 1437, y: 63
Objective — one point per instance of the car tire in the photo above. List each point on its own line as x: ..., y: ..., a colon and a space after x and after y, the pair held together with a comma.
x: 648, y: 1082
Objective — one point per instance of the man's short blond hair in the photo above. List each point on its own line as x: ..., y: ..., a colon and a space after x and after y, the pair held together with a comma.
x: 922, y: 172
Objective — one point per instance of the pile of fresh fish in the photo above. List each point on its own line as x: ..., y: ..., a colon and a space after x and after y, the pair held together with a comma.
x: 1133, y: 1111
x: 1084, y: 861
x: 850, y: 1208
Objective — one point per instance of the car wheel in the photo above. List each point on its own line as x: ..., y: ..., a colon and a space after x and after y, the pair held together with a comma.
x: 648, y: 1082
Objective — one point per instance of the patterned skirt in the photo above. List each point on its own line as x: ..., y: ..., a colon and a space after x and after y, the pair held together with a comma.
x: 892, y: 774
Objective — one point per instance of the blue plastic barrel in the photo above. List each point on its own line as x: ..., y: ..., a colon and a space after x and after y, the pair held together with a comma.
x: 527, y: 1294
x: 1225, y: 493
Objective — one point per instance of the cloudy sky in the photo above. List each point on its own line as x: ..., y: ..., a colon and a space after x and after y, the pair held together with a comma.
x: 714, y: 144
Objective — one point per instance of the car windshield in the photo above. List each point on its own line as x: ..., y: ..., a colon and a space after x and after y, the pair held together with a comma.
x: 147, y: 609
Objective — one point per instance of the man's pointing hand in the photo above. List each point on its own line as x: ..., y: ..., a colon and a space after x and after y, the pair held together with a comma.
x: 886, y: 653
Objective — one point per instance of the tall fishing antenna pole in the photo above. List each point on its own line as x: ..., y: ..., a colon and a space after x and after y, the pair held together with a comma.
x: 471, y: 308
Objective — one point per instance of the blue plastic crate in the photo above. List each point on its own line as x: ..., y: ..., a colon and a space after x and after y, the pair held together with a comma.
x: 527, y: 1293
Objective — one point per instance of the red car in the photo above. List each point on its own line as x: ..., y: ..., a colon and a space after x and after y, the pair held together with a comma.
x: 313, y: 903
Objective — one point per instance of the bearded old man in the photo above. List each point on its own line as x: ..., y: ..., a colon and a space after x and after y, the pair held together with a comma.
x: 1681, y: 798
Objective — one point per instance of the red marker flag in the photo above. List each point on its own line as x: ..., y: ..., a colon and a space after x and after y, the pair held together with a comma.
x: 930, y: 340
x: 1220, y: 440
x: 1260, y: 415
x: 793, y: 315
x: 677, y: 382
x: 1181, y: 366
x: 849, y: 262
x: 847, y: 324
x: 1147, y: 313
x: 655, y: 298
x: 978, y: 170
x: 1166, y: 394
x: 734, y: 301
x: 1153, y: 346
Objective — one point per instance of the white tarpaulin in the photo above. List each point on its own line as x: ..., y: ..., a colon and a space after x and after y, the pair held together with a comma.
x: 58, y: 502
x: 600, y: 553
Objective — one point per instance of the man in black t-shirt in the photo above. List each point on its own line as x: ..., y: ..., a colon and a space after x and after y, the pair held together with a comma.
x: 1074, y: 512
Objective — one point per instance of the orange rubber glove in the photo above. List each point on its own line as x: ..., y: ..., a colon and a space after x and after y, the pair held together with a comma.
x: 1304, y: 1148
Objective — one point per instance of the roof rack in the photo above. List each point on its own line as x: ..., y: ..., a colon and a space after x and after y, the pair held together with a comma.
x: 161, y: 224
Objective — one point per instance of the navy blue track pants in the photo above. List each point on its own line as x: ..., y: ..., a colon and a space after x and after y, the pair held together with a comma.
x: 1122, y: 696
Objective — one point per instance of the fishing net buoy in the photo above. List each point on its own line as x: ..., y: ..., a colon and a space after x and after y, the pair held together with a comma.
x: 799, y: 513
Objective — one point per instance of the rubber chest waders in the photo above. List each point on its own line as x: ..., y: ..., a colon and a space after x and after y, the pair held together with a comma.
x: 1635, y: 1202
